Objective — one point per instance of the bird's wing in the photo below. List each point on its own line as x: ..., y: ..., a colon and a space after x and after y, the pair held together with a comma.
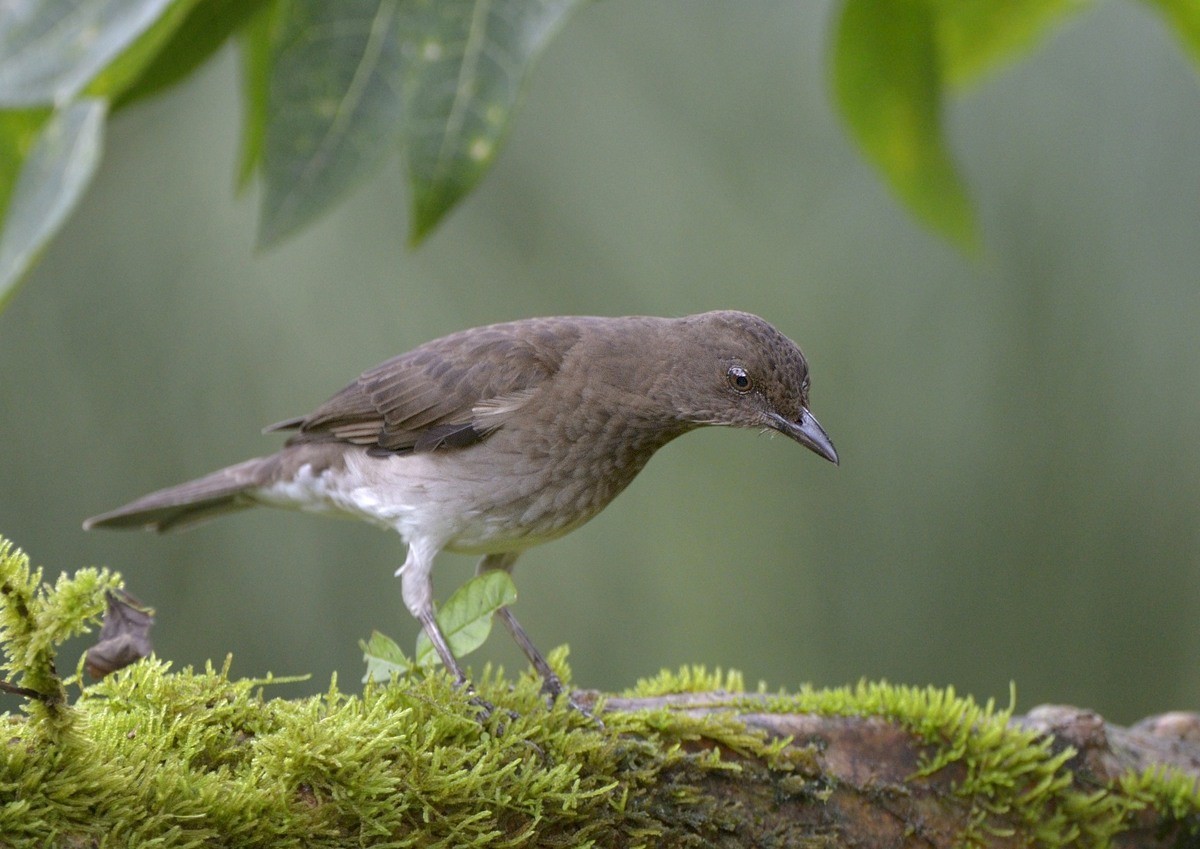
x: 448, y: 393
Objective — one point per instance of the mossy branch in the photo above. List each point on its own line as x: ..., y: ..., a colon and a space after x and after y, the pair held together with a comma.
x: 195, y: 758
x: 35, y: 618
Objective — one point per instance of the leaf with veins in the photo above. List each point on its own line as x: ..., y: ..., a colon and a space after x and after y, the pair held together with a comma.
x: 353, y: 81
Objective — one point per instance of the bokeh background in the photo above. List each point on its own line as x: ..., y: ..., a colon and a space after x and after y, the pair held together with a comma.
x: 1019, y: 497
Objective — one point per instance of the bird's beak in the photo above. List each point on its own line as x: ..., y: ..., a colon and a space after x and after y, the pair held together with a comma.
x: 809, y: 433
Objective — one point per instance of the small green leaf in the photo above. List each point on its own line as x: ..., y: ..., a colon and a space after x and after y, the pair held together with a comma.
x: 1184, y: 17
x: 888, y: 86
x: 384, y: 658
x: 51, y: 49
x: 975, y: 35
x: 466, y: 63
x: 52, y: 178
x: 466, y: 618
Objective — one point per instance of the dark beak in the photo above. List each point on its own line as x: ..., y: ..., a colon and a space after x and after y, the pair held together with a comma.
x: 809, y: 433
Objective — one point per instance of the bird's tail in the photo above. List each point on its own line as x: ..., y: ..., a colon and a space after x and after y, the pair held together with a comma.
x: 189, y: 503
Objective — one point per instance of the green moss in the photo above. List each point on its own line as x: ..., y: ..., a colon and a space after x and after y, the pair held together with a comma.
x: 195, y: 758
x: 192, y: 757
x: 150, y: 756
x: 1173, y: 793
x: 688, y: 679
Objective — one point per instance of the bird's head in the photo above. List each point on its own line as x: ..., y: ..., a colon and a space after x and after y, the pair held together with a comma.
x: 736, y: 369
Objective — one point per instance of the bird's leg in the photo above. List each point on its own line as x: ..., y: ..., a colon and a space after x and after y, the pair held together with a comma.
x: 434, y: 632
x: 417, y: 589
x: 552, y: 685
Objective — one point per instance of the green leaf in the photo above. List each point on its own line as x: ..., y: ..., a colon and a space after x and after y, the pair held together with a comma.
x: 466, y: 618
x: 352, y: 81
x: 333, y: 107
x: 19, y: 130
x: 888, y: 86
x: 127, y: 69
x: 384, y: 658
x: 51, y: 180
x: 976, y: 35
x: 206, y: 27
x: 1184, y: 17
x: 467, y: 62
x: 49, y: 50
x: 257, y: 38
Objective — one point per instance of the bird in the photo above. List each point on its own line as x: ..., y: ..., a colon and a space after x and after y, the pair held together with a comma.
x: 495, y: 439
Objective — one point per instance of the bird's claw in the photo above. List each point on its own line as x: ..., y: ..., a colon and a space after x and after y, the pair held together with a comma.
x: 552, y: 689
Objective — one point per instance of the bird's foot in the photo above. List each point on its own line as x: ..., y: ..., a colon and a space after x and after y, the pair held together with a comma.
x: 553, y: 688
x: 484, y: 710
x: 482, y: 707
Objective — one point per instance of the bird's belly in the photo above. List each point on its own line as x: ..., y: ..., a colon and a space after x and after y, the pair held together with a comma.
x: 330, y: 492
x: 460, y: 506
x: 496, y: 530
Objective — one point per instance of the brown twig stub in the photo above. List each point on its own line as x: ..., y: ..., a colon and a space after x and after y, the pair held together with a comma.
x: 27, y: 693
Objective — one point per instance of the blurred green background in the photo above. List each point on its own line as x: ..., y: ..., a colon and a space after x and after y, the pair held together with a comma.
x: 1019, y: 495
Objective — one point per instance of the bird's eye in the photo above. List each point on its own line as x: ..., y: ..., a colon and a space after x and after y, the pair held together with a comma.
x: 739, y: 379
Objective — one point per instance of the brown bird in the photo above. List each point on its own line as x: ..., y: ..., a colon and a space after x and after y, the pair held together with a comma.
x: 492, y: 440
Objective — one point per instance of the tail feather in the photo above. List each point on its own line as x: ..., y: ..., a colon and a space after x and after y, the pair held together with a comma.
x: 189, y: 503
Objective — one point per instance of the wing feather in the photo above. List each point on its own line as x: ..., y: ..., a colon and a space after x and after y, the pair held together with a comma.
x: 446, y: 394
